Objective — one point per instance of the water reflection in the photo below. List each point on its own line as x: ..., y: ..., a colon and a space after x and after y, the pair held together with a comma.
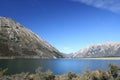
x: 57, y: 66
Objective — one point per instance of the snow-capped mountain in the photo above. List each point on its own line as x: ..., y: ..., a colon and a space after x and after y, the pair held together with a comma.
x: 108, y: 49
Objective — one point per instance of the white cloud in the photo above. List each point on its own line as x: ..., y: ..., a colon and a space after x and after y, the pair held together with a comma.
x: 111, y: 5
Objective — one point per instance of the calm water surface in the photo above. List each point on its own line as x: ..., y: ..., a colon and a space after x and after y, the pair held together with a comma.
x: 57, y: 66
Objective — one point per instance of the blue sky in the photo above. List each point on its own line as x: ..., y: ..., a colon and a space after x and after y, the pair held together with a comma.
x: 68, y: 25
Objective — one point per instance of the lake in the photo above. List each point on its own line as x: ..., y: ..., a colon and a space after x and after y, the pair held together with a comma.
x: 57, y: 66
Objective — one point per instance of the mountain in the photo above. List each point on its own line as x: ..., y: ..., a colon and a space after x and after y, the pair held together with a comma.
x: 68, y: 55
x: 108, y: 49
x: 18, y: 41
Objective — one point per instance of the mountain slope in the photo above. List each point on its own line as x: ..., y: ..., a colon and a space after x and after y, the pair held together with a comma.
x: 18, y: 41
x: 108, y: 49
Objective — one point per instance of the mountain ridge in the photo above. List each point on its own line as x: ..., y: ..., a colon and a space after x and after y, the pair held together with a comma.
x: 18, y: 41
x: 107, y: 49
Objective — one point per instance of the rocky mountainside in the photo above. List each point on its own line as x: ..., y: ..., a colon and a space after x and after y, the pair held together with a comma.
x: 18, y: 41
x: 109, y: 49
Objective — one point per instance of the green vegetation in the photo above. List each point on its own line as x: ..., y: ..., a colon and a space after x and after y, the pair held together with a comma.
x: 2, y: 72
x: 111, y: 74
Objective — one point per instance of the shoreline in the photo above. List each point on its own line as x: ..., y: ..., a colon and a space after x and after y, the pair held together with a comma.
x: 89, y: 58
x: 25, y: 57
x: 102, y: 58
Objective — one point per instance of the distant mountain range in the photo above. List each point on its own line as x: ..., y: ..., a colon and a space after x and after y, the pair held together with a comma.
x: 108, y: 49
x: 18, y: 41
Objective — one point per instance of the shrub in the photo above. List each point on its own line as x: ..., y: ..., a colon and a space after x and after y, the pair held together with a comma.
x: 3, y: 72
x: 39, y: 74
x: 118, y: 78
x: 96, y: 75
x: 113, y: 70
x: 43, y: 75
x: 71, y: 75
x: 49, y: 75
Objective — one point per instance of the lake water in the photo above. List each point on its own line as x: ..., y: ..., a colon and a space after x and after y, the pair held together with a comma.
x: 57, y: 66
